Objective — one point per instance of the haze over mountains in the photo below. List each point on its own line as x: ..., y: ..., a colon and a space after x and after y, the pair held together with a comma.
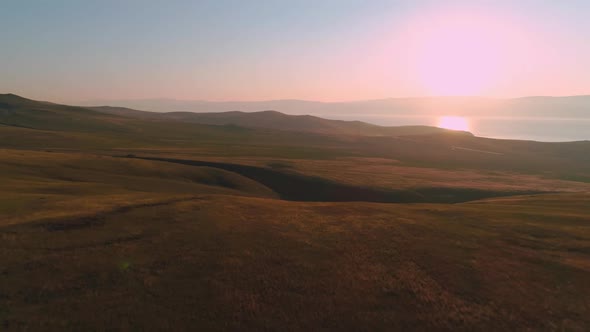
x: 536, y: 106
x: 27, y: 113
x: 555, y: 119
x: 276, y: 120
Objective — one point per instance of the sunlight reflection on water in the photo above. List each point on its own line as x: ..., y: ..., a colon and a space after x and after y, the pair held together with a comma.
x: 540, y: 129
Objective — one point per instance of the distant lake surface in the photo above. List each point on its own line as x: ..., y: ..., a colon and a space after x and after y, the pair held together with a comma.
x: 538, y: 129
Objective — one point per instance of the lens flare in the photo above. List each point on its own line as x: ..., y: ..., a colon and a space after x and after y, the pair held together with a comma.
x: 453, y: 123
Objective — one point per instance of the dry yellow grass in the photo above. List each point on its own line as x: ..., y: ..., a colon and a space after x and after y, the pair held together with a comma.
x: 90, y: 242
x: 238, y: 263
x: 49, y: 185
x: 390, y: 173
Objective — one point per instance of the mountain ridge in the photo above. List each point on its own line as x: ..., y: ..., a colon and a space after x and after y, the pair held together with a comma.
x: 463, y: 105
x: 271, y: 119
x: 44, y: 115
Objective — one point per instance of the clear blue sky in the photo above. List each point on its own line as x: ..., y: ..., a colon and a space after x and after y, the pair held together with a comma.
x: 70, y: 50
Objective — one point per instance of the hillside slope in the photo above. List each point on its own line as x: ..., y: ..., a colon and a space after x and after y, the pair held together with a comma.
x: 38, y: 125
x: 112, y: 222
x: 21, y: 112
x: 278, y: 121
x: 234, y: 263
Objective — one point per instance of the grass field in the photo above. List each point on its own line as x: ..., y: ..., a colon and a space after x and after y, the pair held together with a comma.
x: 113, y: 223
x: 229, y: 263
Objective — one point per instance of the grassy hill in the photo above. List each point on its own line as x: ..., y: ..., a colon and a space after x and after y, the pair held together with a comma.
x: 278, y: 121
x: 125, y: 222
x: 50, y: 127
x: 221, y: 263
x: 46, y: 183
x: 21, y: 112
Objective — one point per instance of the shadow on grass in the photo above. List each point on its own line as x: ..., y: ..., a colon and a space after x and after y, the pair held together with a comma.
x: 298, y: 187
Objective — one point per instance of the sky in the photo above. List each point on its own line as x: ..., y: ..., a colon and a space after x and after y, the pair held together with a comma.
x: 326, y: 50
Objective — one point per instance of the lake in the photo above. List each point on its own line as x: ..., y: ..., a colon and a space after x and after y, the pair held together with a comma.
x: 538, y: 129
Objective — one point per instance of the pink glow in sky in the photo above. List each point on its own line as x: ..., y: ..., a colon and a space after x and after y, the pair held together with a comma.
x: 329, y: 50
x: 464, y: 53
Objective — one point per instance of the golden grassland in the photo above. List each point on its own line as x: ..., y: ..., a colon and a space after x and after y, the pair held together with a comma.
x: 41, y: 184
x: 391, y: 173
x: 94, y: 238
x: 237, y: 263
x: 93, y: 242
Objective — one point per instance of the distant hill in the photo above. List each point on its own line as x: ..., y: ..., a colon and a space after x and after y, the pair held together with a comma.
x: 537, y: 106
x: 30, y: 124
x: 278, y: 121
x: 17, y: 111
x: 21, y: 112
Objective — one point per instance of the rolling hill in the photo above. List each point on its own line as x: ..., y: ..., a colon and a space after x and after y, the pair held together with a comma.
x: 41, y: 125
x: 278, y: 121
x: 535, y: 106
x: 256, y: 221
x: 17, y: 111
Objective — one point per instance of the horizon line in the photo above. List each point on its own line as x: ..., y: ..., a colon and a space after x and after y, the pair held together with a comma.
x: 296, y: 99
x: 329, y: 102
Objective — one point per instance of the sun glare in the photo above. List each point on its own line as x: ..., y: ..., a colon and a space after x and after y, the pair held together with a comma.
x: 456, y: 53
x: 453, y: 123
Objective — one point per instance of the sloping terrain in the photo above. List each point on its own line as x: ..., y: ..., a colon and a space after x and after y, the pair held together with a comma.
x: 38, y: 185
x: 549, y: 167
x: 80, y: 128
x: 221, y: 263
x: 535, y: 106
x: 21, y: 112
x: 298, y: 187
x: 278, y: 121
x: 111, y: 222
